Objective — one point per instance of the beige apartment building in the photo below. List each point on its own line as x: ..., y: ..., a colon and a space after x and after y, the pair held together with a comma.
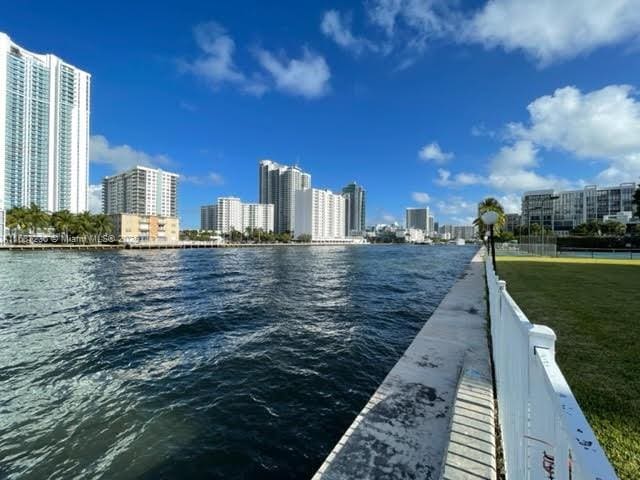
x: 129, y: 227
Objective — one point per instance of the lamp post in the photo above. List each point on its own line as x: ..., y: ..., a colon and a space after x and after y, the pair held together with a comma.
x: 490, y: 218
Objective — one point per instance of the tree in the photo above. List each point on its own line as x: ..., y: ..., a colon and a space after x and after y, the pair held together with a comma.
x: 235, y: 235
x: 102, y: 224
x: 16, y: 222
x: 304, y: 238
x: 490, y: 204
x: 505, y: 237
x: 62, y: 222
x: 37, y: 218
x: 613, y: 228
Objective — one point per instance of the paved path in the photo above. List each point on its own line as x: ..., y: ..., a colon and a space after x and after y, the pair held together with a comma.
x: 403, y: 431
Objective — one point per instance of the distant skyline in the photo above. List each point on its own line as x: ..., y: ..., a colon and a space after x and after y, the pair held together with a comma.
x: 422, y: 102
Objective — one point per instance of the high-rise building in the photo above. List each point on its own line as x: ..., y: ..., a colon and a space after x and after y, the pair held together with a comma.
x: 321, y: 214
x: 355, y: 204
x: 257, y: 216
x: 209, y: 217
x: 562, y: 211
x: 417, y: 218
x: 230, y: 214
x: 466, y: 232
x: 277, y: 185
x: 44, y: 131
x: 141, y: 190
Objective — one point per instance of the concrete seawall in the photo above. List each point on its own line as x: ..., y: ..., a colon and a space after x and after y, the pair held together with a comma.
x: 408, y: 428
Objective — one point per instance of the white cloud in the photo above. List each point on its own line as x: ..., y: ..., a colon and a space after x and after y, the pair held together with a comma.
x: 433, y: 152
x: 462, y: 179
x: 388, y: 218
x: 552, y: 30
x: 547, y: 31
x: 416, y: 22
x: 122, y: 157
x: 420, y: 197
x: 482, y: 131
x: 211, y: 178
x: 216, y: 64
x: 510, y: 170
x: 457, y: 209
x: 95, y: 198
x: 216, y: 178
x: 308, y: 76
x: 601, y: 125
x: 338, y: 28
x: 511, y: 202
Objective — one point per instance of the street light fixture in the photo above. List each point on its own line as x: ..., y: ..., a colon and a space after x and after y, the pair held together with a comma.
x: 490, y: 218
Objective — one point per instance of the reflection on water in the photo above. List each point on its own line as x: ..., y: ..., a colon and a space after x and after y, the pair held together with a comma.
x: 245, y: 363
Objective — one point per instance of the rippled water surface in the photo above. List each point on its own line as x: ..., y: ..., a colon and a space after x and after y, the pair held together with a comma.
x: 229, y: 363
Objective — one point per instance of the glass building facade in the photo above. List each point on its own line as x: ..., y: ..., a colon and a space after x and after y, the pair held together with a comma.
x: 562, y: 211
x: 44, y: 131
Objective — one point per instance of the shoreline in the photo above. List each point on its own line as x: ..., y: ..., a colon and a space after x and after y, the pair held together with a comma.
x: 191, y: 245
x: 411, y: 426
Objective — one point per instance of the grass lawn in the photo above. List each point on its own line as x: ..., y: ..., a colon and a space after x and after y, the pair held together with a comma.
x: 594, y: 308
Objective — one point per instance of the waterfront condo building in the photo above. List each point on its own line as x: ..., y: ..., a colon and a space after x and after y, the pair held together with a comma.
x: 355, y: 204
x: 418, y: 218
x: 574, y: 207
x: 141, y: 190
x: 451, y: 232
x: 230, y: 214
x: 44, y: 131
x: 277, y: 185
x: 320, y: 214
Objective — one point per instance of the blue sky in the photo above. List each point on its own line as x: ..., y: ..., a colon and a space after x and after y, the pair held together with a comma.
x: 421, y: 101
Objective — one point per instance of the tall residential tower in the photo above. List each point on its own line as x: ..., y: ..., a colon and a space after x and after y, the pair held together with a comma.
x: 141, y: 190
x: 277, y: 185
x: 44, y: 131
x: 355, y: 205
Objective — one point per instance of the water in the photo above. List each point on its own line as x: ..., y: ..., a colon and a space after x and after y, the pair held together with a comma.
x: 230, y: 363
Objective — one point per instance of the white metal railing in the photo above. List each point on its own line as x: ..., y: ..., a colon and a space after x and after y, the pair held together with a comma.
x: 544, y: 432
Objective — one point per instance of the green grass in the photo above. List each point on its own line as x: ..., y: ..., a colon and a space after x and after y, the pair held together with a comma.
x: 594, y: 308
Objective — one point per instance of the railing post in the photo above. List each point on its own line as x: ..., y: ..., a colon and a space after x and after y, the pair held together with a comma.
x: 539, y: 443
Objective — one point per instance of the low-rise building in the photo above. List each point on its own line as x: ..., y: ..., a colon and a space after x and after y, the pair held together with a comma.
x: 130, y: 227
x: 561, y: 211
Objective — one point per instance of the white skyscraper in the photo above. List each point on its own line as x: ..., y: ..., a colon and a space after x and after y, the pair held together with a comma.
x: 44, y: 131
x: 321, y: 214
x: 278, y: 184
x: 141, y: 190
x: 257, y: 216
x: 229, y: 214
x: 418, y: 218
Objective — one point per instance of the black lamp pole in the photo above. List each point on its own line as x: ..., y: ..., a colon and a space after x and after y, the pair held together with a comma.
x: 493, y: 248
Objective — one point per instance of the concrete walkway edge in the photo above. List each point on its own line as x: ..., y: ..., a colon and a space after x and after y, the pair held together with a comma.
x: 404, y: 429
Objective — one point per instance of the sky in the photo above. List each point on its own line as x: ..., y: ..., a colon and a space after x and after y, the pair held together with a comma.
x: 423, y: 102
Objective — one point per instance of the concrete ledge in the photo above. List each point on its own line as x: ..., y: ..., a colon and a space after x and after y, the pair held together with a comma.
x: 471, y: 453
x: 403, y: 430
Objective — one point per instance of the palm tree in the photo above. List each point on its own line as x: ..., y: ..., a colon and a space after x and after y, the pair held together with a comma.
x: 62, y: 222
x: 87, y: 225
x: 102, y: 224
x: 37, y: 218
x: 16, y: 221
x: 490, y: 204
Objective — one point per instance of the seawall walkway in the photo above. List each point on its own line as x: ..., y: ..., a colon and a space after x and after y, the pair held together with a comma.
x: 432, y: 416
